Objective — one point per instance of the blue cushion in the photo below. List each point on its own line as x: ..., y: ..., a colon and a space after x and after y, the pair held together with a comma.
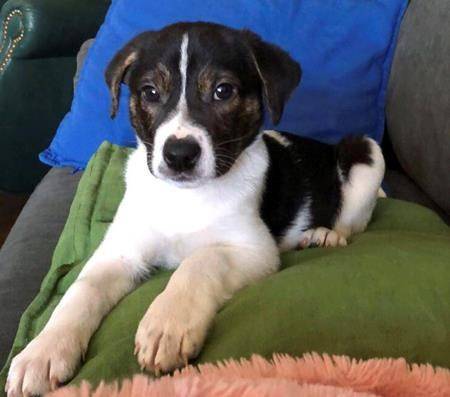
x: 345, y: 48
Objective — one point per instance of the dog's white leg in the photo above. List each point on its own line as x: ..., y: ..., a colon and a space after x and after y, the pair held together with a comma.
x: 52, y: 357
x: 175, y: 325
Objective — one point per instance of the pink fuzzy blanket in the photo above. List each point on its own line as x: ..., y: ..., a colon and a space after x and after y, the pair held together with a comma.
x: 312, y: 375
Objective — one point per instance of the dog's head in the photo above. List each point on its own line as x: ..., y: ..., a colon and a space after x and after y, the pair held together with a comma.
x: 198, y: 92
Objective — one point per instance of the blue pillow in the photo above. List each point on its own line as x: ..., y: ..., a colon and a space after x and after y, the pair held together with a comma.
x: 345, y: 48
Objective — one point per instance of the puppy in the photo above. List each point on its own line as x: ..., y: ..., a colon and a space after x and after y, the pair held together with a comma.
x: 207, y: 194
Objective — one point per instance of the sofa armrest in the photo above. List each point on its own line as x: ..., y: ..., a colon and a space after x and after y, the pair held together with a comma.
x: 38, y: 43
x: 48, y: 28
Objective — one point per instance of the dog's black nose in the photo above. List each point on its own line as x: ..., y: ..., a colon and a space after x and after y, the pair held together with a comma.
x: 181, y: 154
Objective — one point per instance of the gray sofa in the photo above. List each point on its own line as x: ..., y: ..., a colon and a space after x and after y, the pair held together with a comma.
x: 417, y: 148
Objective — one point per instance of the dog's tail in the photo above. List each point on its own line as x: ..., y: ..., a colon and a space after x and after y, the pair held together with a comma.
x: 353, y: 150
x: 360, y: 165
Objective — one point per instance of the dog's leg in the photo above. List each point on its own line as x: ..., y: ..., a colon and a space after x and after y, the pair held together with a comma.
x: 53, y: 356
x: 175, y: 325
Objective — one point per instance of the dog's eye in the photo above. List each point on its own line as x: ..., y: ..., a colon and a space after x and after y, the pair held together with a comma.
x: 223, y: 92
x: 150, y: 93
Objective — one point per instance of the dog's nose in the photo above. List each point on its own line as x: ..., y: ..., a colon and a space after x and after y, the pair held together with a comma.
x: 181, y: 154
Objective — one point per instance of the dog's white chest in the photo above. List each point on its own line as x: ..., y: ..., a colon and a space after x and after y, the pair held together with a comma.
x: 170, y: 216
x: 183, y: 226
x: 180, y: 221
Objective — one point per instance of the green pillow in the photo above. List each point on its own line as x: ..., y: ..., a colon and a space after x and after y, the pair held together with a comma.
x: 386, y: 294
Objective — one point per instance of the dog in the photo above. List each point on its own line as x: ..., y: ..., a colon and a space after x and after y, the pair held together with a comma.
x: 207, y: 193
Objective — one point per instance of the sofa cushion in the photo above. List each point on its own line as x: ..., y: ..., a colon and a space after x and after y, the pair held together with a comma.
x: 345, y: 49
x: 386, y: 294
x: 402, y: 187
x: 26, y: 254
x: 418, y: 108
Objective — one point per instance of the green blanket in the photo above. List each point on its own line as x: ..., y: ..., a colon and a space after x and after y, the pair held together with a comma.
x: 386, y: 294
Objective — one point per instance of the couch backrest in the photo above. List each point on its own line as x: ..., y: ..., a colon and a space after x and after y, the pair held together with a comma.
x: 418, y: 107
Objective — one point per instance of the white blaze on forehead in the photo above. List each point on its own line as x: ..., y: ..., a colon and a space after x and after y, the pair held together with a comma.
x: 183, y: 70
x: 179, y: 124
x: 181, y: 109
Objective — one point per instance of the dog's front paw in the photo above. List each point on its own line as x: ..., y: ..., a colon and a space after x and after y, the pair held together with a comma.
x: 322, y: 237
x: 171, y: 332
x: 48, y: 360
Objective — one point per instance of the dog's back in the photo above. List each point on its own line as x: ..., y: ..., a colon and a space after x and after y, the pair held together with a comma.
x: 310, y: 184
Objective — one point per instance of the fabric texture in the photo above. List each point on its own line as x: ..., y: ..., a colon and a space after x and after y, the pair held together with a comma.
x: 26, y: 254
x: 418, y: 116
x: 309, y: 376
x: 385, y: 295
x: 345, y: 49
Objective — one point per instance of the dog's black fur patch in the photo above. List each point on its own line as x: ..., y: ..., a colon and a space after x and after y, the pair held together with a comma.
x: 353, y: 150
x: 303, y: 170
x: 307, y: 170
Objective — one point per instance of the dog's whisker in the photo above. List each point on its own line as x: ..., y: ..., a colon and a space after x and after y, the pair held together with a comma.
x: 240, y: 138
x: 225, y: 156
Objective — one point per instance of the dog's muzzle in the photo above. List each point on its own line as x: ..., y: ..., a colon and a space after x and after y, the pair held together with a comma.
x: 181, y: 155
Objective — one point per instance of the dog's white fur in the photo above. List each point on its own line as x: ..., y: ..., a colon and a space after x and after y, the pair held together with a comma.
x: 301, y: 222
x: 214, y: 231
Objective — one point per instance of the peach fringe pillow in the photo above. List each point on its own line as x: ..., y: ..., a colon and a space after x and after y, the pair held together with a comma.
x: 312, y: 375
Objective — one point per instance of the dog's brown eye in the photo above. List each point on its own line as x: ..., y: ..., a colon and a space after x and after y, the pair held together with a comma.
x: 150, y: 93
x: 223, y: 91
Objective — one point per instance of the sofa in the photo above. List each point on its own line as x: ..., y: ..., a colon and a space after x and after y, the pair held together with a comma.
x: 416, y: 142
x: 39, y: 42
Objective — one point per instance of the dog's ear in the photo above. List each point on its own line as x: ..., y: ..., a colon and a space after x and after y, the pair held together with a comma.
x: 119, y: 67
x: 279, y: 73
x: 116, y: 71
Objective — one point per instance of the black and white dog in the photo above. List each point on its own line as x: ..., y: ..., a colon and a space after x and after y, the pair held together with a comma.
x: 207, y: 193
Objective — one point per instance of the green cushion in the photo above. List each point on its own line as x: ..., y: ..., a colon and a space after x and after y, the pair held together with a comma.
x: 386, y: 294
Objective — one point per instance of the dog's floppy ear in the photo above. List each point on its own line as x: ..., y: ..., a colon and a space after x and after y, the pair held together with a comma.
x: 116, y: 72
x: 279, y: 73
